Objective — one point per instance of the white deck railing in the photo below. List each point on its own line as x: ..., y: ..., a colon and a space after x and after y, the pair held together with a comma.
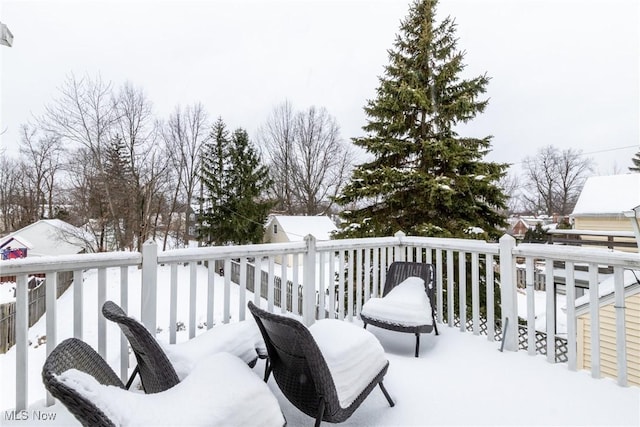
x: 333, y: 281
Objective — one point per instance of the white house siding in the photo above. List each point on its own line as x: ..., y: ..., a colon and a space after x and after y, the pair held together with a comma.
x: 608, y: 355
x: 283, y: 229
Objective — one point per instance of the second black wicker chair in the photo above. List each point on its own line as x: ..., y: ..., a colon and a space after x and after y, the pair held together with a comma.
x: 157, y: 374
x: 302, y: 373
x: 155, y: 367
x: 398, y: 272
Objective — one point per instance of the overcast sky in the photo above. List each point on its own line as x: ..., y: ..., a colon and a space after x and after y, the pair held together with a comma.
x: 563, y: 72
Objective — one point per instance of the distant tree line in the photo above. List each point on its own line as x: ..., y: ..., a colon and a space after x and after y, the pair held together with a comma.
x: 99, y: 158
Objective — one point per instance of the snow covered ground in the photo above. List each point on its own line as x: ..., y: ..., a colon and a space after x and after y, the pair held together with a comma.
x: 459, y: 379
x: 540, y: 307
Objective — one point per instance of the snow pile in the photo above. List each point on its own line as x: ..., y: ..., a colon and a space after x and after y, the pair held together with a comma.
x: 7, y: 292
x: 222, y: 390
x: 540, y: 308
x: 406, y: 304
x: 242, y: 339
x: 354, y: 356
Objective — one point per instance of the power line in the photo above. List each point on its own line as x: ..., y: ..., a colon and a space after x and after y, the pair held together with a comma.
x: 611, y: 149
x: 596, y: 152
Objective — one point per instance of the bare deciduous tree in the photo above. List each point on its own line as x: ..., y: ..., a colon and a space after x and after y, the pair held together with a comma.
x: 554, y: 179
x: 10, y: 212
x: 136, y: 126
x: 41, y: 157
x: 308, y: 160
x: 323, y: 161
x: 84, y: 116
x: 115, y: 134
x: 277, y: 139
x: 510, y: 185
x: 184, y: 135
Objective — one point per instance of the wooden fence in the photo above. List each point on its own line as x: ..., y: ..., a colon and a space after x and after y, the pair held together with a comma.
x: 37, y: 307
x: 264, y: 285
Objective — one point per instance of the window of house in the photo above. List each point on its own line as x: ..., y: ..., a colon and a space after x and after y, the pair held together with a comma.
x: 275, y: 228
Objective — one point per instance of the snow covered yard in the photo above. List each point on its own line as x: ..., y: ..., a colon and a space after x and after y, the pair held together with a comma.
x: 459, y: 379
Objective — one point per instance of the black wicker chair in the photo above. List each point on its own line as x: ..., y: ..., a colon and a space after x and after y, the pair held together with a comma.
x: 156, y: 371
x: 76, y: 354
x: 397, y: 273
x: 301, y: 371
x: 73, y: 353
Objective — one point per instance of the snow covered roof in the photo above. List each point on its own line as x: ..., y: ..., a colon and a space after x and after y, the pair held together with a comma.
x: 611, y: 195
x: 297, y: 227
x: 631, y: 283
x: 49, y: 237
x: 15, y: 242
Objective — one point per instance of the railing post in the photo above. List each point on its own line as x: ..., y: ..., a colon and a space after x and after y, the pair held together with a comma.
x: 149, y: 280
x: 22, y: 333
x: 508, y: 293
x: 51, y: 283
x: 399, y: 246
x: 309, y: 284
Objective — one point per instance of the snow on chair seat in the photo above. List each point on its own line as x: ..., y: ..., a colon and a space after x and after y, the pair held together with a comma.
x: 407, y: 303
x: 221, y: 391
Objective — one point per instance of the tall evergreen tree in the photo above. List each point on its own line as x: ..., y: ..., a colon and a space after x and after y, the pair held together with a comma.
x: 424, y: 178
x: 636, y: 163
x: 118, y: 180
x: 249, y: 181
x: 235, y: 182
x: 214, y: 161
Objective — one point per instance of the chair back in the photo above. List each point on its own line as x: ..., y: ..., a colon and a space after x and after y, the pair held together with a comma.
x: 401, y: 270
x: 73, y: 353
x: 297, y: 364
x: 156, y: 371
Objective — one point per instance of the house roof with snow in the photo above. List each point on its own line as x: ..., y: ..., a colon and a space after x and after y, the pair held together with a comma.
x: 630, y: 282
x: 47, y: 237
x: 297, y: 227
x: 608, y: 195
x: 14, y: 241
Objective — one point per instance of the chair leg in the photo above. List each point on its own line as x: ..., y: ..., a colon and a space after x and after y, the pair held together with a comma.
x: 386, y: 394
x: 267, y: 370
x: 435, y: 325
x: 131, y: 378
x: 417, y: 343
x: 365, y: 326
x: 320, y: 412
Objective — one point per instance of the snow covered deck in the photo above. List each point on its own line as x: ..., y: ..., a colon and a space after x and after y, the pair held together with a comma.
x: 461, y: 379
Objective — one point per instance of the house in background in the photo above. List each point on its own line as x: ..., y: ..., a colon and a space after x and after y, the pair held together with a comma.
x: 602, y: 204
x: 519, y: 225
x: 46, y: 237
x: 284, y: 228
x: 607, y: 314
x: 14, y: 248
